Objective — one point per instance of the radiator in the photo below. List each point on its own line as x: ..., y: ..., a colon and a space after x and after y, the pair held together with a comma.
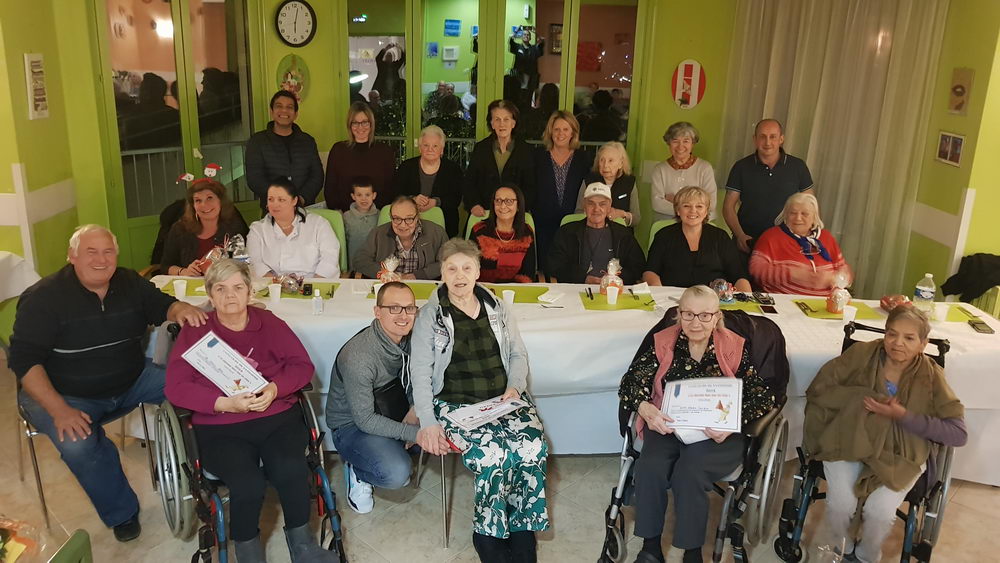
x: 989, y: 301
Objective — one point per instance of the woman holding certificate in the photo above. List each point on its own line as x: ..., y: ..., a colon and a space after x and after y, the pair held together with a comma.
x: 466, y: 349
x: 250, y: 439
x: 698, y: 346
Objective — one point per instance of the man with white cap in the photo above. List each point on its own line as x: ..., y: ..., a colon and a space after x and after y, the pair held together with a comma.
x: 581, y: 249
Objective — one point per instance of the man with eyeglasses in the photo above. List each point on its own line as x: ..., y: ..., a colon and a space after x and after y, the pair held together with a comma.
x: 369, y: 409
x: 413, y: 242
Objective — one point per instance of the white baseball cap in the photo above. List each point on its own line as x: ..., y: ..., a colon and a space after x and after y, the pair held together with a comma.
x: 597, y: 189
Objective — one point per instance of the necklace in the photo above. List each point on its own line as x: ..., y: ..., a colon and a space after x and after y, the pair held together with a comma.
x: 501, y: 239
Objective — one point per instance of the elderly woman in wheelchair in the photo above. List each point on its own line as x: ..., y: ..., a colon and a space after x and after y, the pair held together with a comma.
x: 698, y: 346
x: 871, y: 417
x: 250, y: 439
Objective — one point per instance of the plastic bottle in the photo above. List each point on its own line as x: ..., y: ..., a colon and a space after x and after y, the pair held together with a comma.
x: 923, y: 295
x: 317, y: 302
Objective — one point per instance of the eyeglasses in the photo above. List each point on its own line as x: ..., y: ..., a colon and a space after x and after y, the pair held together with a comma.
x: 361, y: 124
x: 703, y: 317
x: 402, y: 220
x: 505, y: 201
x: 397, y: 309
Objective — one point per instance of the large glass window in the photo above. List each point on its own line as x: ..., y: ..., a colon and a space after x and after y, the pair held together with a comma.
x: 450, y: 72
x: 604, y: 70
x: 377, y: 56
x: 534, y: 60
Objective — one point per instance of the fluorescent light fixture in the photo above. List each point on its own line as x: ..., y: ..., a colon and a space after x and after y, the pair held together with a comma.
x: 165, y: 28
x: 358, y: 78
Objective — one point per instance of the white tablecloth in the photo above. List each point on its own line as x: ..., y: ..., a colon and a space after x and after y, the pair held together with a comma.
x: 577, y: 358
x: 15, y: 275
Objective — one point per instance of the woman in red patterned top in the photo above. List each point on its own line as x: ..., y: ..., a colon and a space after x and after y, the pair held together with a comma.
x: 798, y: 255
x: 506, y: 240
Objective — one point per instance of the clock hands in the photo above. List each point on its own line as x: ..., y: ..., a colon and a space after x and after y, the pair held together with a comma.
x: 295, y: 22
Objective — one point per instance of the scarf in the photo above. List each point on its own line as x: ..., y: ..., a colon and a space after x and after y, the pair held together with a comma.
x: 808, y: 243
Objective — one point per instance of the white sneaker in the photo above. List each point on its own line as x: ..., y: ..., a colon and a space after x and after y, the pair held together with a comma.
x: 359, y: 493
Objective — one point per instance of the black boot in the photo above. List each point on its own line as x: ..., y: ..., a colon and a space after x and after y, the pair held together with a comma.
x: 523, y: 547
x: 652, y: 551
x: 304, y: 548
x: 250, y: 551
x: 490, y: 549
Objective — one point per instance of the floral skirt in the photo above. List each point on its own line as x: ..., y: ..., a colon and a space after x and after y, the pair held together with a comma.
x: 508, y: 458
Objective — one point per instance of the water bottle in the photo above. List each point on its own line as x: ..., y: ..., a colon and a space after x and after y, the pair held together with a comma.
x: 317, y: 302
x: 923, y: 295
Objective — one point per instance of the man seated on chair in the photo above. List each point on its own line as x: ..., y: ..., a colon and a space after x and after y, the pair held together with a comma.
x: 413, y: 241
x: 77, y: 352
x: 369, y: 412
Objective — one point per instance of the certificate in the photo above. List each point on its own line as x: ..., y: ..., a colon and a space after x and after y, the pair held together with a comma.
x: 224, y: 366
x: 710, y: 402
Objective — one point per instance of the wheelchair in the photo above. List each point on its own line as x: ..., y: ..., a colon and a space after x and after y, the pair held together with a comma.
x: 925, y: 501
x: 749, y: 493
x: 190, y: 494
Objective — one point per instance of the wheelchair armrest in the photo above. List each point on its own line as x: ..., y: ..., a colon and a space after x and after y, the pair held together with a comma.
x: 306, y: 388
x: 757, y: 427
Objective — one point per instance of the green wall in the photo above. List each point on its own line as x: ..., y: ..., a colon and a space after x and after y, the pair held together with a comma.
x: 435, y: 12
x: 970, y: 41
x: 983, y: 236
x: 704, y: 35
x: 385, y: 17
x: 10, y: 239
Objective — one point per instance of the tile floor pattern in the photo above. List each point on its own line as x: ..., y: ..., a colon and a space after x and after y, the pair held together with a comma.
x: 405, y: 525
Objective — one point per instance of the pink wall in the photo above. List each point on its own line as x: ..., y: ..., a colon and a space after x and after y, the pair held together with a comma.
x: 548, y: 12
x: 602, y: 23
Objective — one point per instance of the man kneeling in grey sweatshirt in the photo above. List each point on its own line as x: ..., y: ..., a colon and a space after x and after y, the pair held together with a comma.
x: 369, y: 409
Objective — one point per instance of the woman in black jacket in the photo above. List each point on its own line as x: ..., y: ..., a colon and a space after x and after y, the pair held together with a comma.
x: 209, y: 219
x: 497, y: 160
x: 431, y: 180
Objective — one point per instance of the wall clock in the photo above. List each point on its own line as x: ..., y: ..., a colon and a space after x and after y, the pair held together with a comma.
x: 295, y: 22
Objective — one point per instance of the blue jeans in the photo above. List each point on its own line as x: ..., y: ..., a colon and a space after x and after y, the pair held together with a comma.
x: 377, y: 460
x: 94, y: 460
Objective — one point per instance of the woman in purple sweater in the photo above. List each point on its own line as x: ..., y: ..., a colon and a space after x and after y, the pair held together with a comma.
x: 250, y: 439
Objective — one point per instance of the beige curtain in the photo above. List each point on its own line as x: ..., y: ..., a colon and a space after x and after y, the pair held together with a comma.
x: 851, y: 80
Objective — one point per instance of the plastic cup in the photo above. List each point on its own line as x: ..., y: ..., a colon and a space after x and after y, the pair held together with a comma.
x: 941, y: 312
x: 850, y: 313
x: 274, y: 292
x: 612, y: 294
x: 508, y: 296
x: 180, y: 288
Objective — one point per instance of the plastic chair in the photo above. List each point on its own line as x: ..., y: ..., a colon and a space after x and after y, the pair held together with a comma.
x: 655, y: 229
x: 434, y: 215
x: 581, y: 216
x: 473, y: 220
x: 336, y: 219
x: 75, y: 550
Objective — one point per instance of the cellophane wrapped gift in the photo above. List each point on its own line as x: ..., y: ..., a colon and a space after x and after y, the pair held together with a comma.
x: 723, y: 289
x: 236, y: 246
x: 612, y: 277
x: 211, y: 257
x: 388, y: 272
x: 20, y: 541
x: 839, y: 296
x: 290, y: 283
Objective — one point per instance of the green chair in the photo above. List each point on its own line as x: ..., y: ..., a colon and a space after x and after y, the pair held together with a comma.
x: 434, y: 215
x: 473, y: 220
x: 75, y: 550
x: 336, y: 219
x: 655, y: 229
x: 580, y: 216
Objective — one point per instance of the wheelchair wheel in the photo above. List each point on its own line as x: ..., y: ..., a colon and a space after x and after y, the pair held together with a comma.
x: 314, y: 428
x: 613, y: 550
x: 932, y: 516
x: 763, y: 501
x: 178, y: 505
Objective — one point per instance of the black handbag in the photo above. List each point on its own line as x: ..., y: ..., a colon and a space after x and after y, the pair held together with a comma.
x: 391, y: 401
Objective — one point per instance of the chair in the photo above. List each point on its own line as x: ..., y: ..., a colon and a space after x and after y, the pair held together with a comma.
x: 926, y: 500
x: 434, y: 215
x: 75, y: 550
x: 473, y: 220
x: 336, y: 219
x: 581, y: 216
x: 655, y: 229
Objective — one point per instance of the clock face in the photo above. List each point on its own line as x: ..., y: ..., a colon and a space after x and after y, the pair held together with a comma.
x: 295, y: 22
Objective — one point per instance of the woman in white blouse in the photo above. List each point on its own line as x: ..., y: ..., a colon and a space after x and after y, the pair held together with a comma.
x: 681, y: 170
x: 288, y: 240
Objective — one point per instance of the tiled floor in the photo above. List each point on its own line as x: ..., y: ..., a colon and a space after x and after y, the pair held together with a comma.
x: 405, y: 526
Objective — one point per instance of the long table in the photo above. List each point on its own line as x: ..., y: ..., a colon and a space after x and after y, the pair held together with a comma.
x: 577, y: 357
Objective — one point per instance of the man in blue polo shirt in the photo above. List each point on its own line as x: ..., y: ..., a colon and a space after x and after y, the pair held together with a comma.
x: 759, y: 184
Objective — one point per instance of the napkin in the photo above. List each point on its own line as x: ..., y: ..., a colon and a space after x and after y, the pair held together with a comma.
x: 550, y: 296
x: 361, y: 289
x: 641, y: 288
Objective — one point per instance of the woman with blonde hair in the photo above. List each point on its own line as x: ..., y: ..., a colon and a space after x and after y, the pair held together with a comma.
x: 798, y: 255
x: 613, y: 169
x: 359, y: 155
x: 560, y: 169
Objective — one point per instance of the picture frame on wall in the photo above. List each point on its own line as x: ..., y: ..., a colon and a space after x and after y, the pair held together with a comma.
x: 949, y: 149
x: 34, y: 79
x: 555, y: 38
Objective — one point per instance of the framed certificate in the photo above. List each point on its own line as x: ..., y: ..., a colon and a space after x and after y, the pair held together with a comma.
x: 709, y: 402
